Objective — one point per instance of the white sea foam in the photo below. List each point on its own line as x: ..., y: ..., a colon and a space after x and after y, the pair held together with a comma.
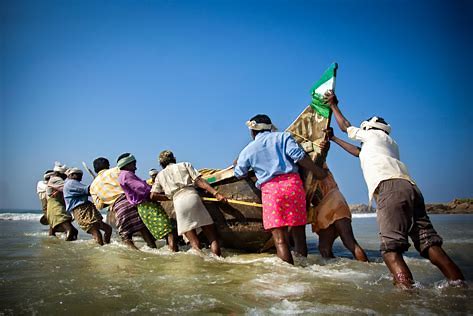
x: 364, y: 215
x: 20, y: 217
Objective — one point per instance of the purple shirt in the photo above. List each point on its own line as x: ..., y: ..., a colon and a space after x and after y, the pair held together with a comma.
x: 136, y: 190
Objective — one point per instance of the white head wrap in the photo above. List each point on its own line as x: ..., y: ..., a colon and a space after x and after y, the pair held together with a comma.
x: 260, y: 126
x: 59, y: 168
x: 73, y: 170
x: 152, y: 172
x: 373, y: 123
x: 47, y: 175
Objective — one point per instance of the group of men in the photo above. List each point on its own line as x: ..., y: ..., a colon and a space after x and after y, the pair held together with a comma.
x: 400, y: 205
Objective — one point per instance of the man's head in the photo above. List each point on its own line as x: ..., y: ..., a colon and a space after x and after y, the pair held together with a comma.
x: 153, y: 173
x: 100, y: 164
x: 166, y: 157
x: 74, y: 173
x: 260, y: 123
x: 126, y: 161
x: 60, y: 170
x: 48, y: 174
x: 377, y: 123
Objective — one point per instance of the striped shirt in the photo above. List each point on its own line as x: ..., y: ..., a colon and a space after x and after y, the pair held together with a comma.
x: 105, y: 189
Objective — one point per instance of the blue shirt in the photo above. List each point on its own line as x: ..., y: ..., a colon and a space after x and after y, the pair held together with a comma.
x: 75, y: 194
x: 269, y: 154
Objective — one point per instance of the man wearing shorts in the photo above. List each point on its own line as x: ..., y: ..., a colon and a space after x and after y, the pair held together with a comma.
x: 400, y: 205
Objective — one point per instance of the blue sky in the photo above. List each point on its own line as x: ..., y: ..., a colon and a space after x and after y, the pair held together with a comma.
x: 82, y: 79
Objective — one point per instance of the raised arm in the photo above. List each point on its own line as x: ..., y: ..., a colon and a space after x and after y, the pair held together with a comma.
x: 306, y: 163
x: 350, y: 148
x: 331, y: 99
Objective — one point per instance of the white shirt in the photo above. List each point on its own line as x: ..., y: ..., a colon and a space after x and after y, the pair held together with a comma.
x: 379, y: 157
x: 175, y: 177
x: 41, y: 189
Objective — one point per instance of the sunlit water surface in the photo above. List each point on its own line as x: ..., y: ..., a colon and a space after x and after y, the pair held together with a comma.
x: 47, y: 275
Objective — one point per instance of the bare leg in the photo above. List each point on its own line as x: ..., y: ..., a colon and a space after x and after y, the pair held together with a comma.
x: 52, y: 232
x: 172, y: 242
x: 95, y: 232
x: 326, y: 238
x: 71, y: 231
x: 282, y: 247
x: 149, y: 239
x: 300, y: 244
x: 441, y: 260
x: 191, y: 235
x: 211, y: 234
x: 344, y: 229
x: 107, y: 232
x: 130, y: 244
x: 399, y: 269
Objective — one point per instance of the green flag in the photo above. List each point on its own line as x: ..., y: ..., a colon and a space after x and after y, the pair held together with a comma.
x: 325, y: 83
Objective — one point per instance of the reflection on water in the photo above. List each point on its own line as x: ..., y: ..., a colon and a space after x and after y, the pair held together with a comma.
x: 46, y: 275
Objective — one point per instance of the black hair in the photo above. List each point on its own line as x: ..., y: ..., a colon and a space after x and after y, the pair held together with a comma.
x: 123, y: 156
x: 100, y: 164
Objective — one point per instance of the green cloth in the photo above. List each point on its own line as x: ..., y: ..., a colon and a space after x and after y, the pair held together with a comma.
x: 125, y: 161
x: 325, y: 83
x: 56, y: 212
x: 155, y: 219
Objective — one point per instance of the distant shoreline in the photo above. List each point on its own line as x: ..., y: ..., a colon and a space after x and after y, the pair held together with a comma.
x: 457, y: 206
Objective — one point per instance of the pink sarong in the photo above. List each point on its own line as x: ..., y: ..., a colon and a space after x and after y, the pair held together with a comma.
x: 283, y: 200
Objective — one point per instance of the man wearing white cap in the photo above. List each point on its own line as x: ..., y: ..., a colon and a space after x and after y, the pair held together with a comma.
x: 76, y: 196
x: 400, y: 205
x: 152, y: 173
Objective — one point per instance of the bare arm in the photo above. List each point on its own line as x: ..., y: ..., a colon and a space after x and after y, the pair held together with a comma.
x: 318, y: 172
x: 158, y: 197
x: 201, y: 183
x: 331, y: 99
x: 350, y: 148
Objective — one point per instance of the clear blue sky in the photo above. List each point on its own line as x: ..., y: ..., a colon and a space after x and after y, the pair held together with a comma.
x: 81, y: 79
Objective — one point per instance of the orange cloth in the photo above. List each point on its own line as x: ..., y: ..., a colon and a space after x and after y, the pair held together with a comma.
x: 332, y: 207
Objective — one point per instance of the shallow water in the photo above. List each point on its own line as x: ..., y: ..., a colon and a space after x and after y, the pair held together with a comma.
x: 47, y: 275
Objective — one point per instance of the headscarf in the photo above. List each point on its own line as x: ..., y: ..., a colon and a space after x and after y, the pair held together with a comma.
x: 373, y: 123
x: 48, y: 175
x: 260, y: 126
x: 125, y: 161
x: 73, y: 170
x: 152, y: 172
x: 59, y: 168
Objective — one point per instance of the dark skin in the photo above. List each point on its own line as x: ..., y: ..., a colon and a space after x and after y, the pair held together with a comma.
x: 95, y: 230
x: 341, y: 227
x: 209, y: 230
x: 171, y: 238
x: 71, y: 231
x: 394, y: 260
x: 281, y: 234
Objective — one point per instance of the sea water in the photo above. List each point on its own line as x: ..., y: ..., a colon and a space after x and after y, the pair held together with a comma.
x: 47, y: 275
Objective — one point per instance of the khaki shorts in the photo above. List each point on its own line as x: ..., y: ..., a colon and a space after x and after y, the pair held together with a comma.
x: 86, y: 215
x: 401, y: 213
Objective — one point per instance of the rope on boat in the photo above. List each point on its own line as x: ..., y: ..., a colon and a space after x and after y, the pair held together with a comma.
x: 234, y: 202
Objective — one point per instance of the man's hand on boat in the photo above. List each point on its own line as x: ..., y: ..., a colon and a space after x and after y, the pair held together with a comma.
x: 203, y: 184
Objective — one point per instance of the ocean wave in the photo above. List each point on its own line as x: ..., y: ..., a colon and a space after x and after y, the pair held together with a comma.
x: 20, y: 217
x: 364, y: 215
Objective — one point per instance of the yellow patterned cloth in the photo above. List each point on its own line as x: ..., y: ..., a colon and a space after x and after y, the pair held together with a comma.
x: 155, y: 219
x: 105, y: 189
